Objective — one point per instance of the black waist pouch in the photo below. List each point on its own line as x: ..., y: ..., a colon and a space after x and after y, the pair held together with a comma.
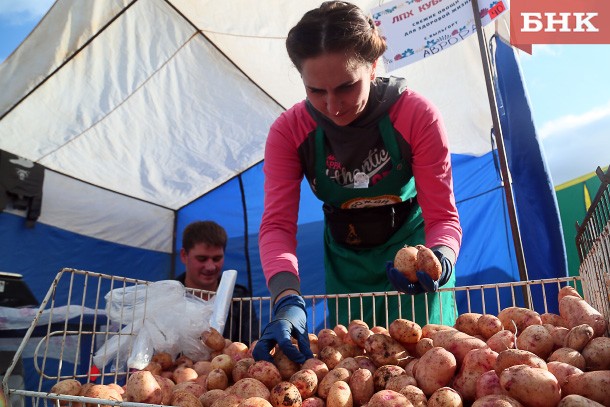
x: 364, y: 228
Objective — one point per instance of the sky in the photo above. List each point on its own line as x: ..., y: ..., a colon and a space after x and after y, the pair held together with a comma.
x: 568, y: 88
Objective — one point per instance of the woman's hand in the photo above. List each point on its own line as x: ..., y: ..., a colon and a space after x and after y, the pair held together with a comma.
x: 289, y: 320
x: 425, y: 282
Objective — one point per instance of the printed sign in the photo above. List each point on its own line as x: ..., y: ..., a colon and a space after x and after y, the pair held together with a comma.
x: 559, y: 22
x: 418, y: 29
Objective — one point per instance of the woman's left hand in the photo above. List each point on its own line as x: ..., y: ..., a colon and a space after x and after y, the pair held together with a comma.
x: 425, y: 283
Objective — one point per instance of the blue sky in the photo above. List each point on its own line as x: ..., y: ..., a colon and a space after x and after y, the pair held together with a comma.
x: 568, y: 87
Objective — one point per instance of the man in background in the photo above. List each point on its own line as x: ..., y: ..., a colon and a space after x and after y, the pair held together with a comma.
x: 203, y: 255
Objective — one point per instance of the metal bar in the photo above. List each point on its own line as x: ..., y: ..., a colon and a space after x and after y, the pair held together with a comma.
x: 506, y: 178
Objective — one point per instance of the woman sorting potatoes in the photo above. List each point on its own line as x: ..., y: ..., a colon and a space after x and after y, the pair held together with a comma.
x: 376, y: 154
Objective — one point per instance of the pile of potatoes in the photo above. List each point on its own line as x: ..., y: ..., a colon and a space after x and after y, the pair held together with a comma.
x: 517, y: 358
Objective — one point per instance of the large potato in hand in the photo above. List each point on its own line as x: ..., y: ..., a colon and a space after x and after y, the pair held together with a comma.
x: 428, y: 262
x: 405, y: 262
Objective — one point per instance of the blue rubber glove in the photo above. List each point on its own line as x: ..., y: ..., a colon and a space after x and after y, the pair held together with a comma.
x: 289, y: 320
x: 425, y: 283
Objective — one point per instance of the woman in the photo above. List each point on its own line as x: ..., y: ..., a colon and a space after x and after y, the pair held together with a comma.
x: 375, y: 153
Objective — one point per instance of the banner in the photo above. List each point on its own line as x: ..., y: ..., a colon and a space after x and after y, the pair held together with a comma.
x: 418, y: 29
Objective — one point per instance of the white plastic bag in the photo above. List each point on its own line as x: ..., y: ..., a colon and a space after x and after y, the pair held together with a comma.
x: 159, y: 317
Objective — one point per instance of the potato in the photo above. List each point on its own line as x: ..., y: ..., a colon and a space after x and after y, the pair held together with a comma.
x: 183, y: 398
x: 457, y: 343
x: 405, y: 262
x: 597, y: 354
x: 209, y: 397
x: 320, y: 368
x: 422, y: 346
x: 202, y: 367
x: 578, y: 337
x: 249, y: 387
x: 428, y: 262
x: 384, y: 350
x: 411, y: 367
x: 362, y: 385
x: 415, y: 395
x: 518, y: 318
x: 592, y: 385
x: 429, y: 330
x: 558, y: 333
x: 562, y: 370
x: 306, y: 381
x: 531, y: 386
x: 330, y: 356
x: 229, y: 400
x: 183, y: 360
x: 339, y: 395
x: 164, y: 359
x: 445, y: 397
x: 502, y: 340
x: 553, y: 319
x: 154, y: 368
x: 184, y: 373
x: 476, y: 362
x: 350, y: 364
x: 388, y: 398
x: 511, y: 357
x: 69, y: 387
x: 435, y: 370
x: 489, y: 325
x: 405, y: 331
x: 313, y: 402
x: 365, y: 363
x: 266, y: 372
x: 191, y: 387
x: 284, y: 365
x: 328, y: 337
x: 488, y: 384
x: 167, y: 387
x: 240, y: 370
x: 285, y: 394
x: 536, y: 339
x: 142, y: 387
x: 359, y: 334
x: 397, y: 383
x: 468, y: 323
x: 217, y: 379
x: 574, y: 400
x: 236, y: 350
x: 254, y: 402
x: 213, y: 339
x: 101, y: 391
x: 577, y: 311
x: 496, y: 400
x: 384, y: 373
x: 567, y: 290
x: 338, y: 373
x: 569, y: 356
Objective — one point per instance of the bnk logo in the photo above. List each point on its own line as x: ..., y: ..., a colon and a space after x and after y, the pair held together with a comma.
x: 559, y: 22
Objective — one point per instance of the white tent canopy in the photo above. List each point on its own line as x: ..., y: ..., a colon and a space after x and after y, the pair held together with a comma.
x: 163, y: 101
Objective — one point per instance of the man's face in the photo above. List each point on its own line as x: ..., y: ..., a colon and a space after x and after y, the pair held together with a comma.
x: 203, y: 266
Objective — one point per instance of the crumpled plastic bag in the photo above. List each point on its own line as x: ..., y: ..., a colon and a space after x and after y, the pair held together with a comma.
x: 158, y: 317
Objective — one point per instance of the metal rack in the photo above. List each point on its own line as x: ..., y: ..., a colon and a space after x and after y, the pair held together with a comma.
x: 593, y: 244
x: 71, y: 323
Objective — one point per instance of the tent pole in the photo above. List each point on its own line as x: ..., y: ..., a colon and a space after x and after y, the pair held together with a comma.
x: 506, y: 178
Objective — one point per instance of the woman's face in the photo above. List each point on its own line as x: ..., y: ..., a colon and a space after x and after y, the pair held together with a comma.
x: 336, y: 86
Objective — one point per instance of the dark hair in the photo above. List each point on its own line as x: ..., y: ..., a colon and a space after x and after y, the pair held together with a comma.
x: 335, y: 26
x: 208, y: 232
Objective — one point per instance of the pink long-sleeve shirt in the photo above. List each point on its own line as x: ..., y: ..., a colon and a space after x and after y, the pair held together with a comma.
x: 420, y: 125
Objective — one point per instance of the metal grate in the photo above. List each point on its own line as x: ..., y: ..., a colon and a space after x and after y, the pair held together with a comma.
x: 593, y: 244
x: 71, y: 323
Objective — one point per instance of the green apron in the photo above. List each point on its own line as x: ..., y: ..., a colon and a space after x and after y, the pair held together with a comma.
x: 362, y: 270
